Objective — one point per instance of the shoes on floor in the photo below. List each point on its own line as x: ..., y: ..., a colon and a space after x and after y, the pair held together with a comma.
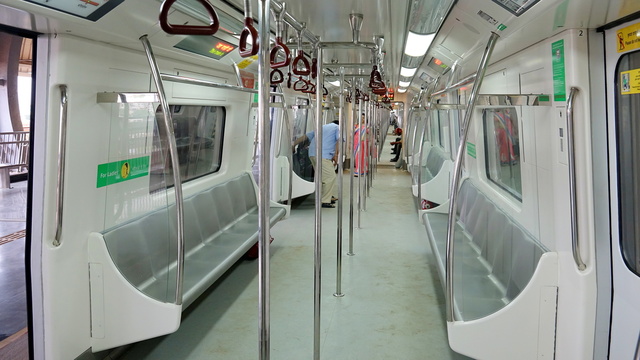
x: 393, y: 160
x: 328, y: 205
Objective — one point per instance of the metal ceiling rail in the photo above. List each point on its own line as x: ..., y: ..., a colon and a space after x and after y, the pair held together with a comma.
x: 289, y: 19
x: 466, y: 81
x: 360, y: 76
x: 337, y: 45
x: 347, y: 65
x: 192, y: 81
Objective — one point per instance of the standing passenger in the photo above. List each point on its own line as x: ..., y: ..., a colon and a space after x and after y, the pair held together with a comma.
x: 330, y: 135
x: 361, y: 166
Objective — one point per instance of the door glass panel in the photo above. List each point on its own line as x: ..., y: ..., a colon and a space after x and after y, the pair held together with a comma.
x: 628, y: 134
x: 139, y: 215
x: 301, y: 163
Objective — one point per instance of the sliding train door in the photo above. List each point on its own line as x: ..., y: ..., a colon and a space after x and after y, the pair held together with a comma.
x: 623, y: 89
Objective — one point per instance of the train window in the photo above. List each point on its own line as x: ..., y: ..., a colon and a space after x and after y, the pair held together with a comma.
x: 628, y: 134
x: 199, y: 134
x: 434, y: 128
x: 502, y: 149
x: 301, y: 163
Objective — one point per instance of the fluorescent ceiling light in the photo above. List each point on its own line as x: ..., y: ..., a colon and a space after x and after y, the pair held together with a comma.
x: 335, y: 83
x: 417, y: 45
x: 407, y: 72
x: 404, y: 84
x: 402, y: 90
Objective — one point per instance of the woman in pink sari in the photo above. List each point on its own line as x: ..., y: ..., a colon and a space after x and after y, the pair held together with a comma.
x: 361, y: 148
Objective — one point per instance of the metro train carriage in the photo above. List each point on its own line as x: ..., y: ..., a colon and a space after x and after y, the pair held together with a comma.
x: 151, y: 149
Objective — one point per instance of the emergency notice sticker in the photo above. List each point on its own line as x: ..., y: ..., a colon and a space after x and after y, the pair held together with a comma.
x: 628, y: 38
x: 630, y: 82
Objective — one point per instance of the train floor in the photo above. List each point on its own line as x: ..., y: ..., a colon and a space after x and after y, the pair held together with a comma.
x: 393, y: 304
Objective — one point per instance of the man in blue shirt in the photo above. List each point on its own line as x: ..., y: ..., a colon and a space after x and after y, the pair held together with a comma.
x: 330, y: 135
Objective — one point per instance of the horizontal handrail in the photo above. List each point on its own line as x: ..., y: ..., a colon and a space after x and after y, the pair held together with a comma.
x: 127, y: 97
x: 501, y: 100
x: 466, y: 81
x: 192, y: 81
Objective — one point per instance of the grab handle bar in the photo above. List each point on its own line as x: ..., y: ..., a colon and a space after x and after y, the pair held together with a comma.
x: 211, y: 29
x: 455, y: 181
x: 62, y: 149
x: 300, y: 63
x: 248, y: 30
x: 304, y: 85
x: 276, y: 77
x: 175, y: 164
x: 575, y: 242
x: 279, y: 44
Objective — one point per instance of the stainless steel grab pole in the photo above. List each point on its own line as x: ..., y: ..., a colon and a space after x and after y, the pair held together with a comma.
x: 318, y: 228
x: 175, y: 164
x: 575, y: 241
x: 264, y: 135
x: 367, y: 121
x: 421, y: 156
x: 352, y: 164
x: 62, y: 159
x: 341, y: 136
x: 360, y: 161
x: 482, y: 68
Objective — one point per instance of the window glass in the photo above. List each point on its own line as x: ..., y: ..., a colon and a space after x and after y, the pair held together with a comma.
x: 434, y: 128
x: 199, y: 136
x: 628, y: 134
x: 502, y: 149
x: 301, y: 163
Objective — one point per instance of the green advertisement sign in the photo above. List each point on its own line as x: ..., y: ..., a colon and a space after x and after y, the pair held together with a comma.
x: 559, y: 80
x: 471, y: 150
x: 119, y: 171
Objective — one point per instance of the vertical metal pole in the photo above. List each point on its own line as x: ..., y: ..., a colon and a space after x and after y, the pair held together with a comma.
x: 482, y: 68
x: 370, y: 143
x: 365, y: 188
x: 353, y: 163
x: 361, y: 164
x: 175, y: 164
x: 425, y: 130
x: 318, y: 228
x: 341, y: 129
x: 264, y: 317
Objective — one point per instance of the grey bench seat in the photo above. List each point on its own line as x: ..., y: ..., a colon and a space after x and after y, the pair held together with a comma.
x: 220, y: 225
x: 435, y: 160
x: 494, y: 257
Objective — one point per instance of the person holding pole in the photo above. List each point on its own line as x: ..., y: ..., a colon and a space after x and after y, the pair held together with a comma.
x: 330, y: 152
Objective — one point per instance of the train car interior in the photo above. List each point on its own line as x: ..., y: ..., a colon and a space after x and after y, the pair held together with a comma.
x: 236, y: 179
